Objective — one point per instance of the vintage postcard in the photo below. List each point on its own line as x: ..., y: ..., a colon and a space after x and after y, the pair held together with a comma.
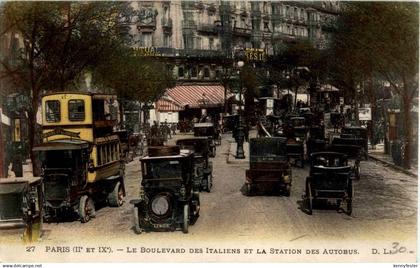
x: 209, y: 131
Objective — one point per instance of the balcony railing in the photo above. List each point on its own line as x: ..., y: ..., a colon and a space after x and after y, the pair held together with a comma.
x: 242, y: 31
x: 192, y: 53
x: 207, y: 28
x: 202, y: 53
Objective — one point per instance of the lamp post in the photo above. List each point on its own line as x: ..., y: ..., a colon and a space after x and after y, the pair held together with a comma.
x: 240, y: 134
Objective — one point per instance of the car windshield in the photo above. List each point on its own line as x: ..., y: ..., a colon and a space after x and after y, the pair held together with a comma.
x: 164, y: 169
x: 60, y: 158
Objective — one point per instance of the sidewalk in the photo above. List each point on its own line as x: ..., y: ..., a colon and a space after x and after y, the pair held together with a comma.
x: 379, y: 155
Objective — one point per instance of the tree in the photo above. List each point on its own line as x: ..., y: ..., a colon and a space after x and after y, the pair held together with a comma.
x: 61, y: 40
x: 299, y: 63
x: 379, y: 39
x: 134, y: 77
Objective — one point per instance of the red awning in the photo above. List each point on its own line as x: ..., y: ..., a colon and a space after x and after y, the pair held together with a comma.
x: 165, y: 105
x: 197, y: 96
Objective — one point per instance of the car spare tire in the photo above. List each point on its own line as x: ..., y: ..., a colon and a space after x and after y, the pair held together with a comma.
x: 163, y: 150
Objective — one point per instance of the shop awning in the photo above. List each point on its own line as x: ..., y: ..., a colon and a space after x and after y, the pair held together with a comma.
x: 166, y: 105
x: 198, y: 96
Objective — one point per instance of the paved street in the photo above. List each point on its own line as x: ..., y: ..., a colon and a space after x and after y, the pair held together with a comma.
x: 385, y: 209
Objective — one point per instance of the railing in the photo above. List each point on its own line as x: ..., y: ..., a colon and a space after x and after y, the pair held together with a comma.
x: 207, y: 28
x: 242, y: 31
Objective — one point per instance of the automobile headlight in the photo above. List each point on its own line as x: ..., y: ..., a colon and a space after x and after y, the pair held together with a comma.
x: 160, y: 205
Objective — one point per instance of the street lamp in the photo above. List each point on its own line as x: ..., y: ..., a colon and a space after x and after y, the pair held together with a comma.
x: 240, y: 134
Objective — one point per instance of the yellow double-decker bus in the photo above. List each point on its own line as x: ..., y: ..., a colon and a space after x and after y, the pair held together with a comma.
x: 80, y: 154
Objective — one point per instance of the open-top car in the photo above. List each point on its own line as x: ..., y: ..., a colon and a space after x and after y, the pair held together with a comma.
x: 208, y: 130
x: 203, y: 168
x: 329, y: 179
x: 168, y: 200
x: 21, y: 206
x: 269, y: 170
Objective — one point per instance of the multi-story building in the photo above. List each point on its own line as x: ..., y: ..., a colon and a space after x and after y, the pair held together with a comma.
x: 11, y: 105
x: 196, y: 37
x: 199, y: 40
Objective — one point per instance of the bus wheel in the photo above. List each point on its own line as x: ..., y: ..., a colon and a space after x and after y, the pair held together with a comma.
x: 86, y: 209
x: 116, y: 197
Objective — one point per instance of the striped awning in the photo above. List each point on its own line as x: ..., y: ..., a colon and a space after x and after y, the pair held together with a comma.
x: 197, y: 96
x: 167, y: 105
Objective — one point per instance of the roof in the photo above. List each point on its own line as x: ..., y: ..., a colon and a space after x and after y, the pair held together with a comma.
x: 203, y: 125
x: 197, y: 96
x: 93, y: 94
x: 167, y: 105
x: 62, y: 145
x: 18, y: 180
x: 183, y: 153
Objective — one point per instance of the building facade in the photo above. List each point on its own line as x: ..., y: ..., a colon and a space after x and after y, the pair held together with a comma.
x: 198, y: 38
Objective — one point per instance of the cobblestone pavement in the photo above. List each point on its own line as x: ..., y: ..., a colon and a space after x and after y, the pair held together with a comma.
x: 385, y: 209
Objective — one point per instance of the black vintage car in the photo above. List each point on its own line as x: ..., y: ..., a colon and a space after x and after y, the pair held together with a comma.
x: 359, y: 133
x: 329, y: 180
x: 208, y: 130
x: 168, y: 200
x: 21, y: 206
x: 72, y: 185
x: 203, y: 168
x: 269, y: 170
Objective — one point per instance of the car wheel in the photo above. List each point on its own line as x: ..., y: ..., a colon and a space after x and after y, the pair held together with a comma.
x: 185, y: 222
x: 309, y: 197
x: 116, y: 197
x: 209, y: 182
x: 86, y: 209
x: 287, y: 190
x: 136, y: 221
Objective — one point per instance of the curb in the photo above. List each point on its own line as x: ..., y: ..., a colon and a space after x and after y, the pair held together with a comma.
x: 392, y: 165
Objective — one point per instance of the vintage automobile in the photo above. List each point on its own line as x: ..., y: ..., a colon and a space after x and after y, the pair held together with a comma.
x: 353, y: 148
x: 203, y: 167
x: 21, y: 206
x: 168, y: 200
x: 357, y: 133
x: 299, y: 127
x: 207, y: 130
x: 80, y: 155
x: 316, y: 140
x: 269, y: 170
x: 329, y: 179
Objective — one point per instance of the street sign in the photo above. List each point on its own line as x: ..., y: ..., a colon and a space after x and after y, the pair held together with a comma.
x: 365, y: 114
x: 270, y: 103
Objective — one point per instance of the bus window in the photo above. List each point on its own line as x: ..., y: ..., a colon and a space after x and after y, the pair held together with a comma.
x: 52, y: 111
x: 99, y: 155
x: 76, y: 110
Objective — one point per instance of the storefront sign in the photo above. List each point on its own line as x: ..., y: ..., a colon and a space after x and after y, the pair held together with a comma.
x: 365, y: 114
x: 270, y: 103
x: 255, y: 54
x: 146, y: 52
